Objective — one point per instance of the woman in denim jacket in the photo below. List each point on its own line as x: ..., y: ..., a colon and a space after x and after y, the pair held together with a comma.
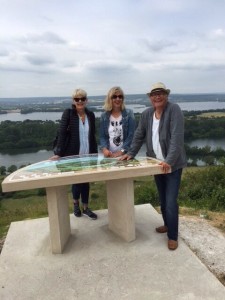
x: 117, y: 125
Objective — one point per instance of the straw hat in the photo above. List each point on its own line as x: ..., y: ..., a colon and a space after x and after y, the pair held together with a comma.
x: 157, y: 87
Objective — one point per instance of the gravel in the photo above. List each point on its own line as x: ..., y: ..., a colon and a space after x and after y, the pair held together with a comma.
x: 207, y: 242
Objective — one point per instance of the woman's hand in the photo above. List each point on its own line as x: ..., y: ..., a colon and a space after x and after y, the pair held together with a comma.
x: 165, y: 167
x: 106, y: 152
x: 54, y: 157
x: 125, y: 157
x: 117, y: 154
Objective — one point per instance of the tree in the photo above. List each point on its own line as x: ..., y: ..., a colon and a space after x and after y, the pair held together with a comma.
x: 12, y: 168
x: 2, y: 170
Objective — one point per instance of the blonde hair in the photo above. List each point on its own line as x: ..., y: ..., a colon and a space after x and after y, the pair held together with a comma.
x: 79, y: 93
x: 108, y: 100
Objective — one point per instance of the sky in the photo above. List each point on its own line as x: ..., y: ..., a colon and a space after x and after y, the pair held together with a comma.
x: 48, y: 48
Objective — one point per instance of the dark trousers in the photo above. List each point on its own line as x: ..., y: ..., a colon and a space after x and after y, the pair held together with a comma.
x: 81, y: 190
x: 168, y: 187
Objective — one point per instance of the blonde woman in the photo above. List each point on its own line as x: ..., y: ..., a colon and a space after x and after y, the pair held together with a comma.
x: 117, y: 125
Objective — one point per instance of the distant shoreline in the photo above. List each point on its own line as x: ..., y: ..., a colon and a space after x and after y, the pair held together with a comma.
x: 9, y: 111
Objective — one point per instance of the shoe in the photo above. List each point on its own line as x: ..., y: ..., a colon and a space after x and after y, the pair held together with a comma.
x: 161, y: 229
x: 88, y: 213
x: 77, y: 211
x: 172, y: 245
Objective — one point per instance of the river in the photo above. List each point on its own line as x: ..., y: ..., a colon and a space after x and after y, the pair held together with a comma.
x: 21, y: 159
x: 137, y: 108
x: 24, y: 158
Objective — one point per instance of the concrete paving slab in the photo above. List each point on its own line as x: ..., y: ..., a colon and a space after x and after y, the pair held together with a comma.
x: 97, y: 264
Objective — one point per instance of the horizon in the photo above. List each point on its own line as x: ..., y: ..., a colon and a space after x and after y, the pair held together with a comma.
x: 91, y: 96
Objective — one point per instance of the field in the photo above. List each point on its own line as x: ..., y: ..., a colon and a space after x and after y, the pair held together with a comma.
x: 212, y: 115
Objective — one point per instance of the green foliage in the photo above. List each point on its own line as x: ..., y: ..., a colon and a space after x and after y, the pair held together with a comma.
x: 19, y: 209
x: 145, y: 192
x: 94, y: 196
x: 2, y: 170
x: 204, y: 188
x: 98, y: 198
x: 196, y: 128
x: 201, y: 189
x: 41, y: 192
x: 27, y: 134
x: 12, y: 168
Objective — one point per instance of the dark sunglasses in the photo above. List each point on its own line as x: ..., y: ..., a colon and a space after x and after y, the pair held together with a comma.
x: 155, y: 94
x: 117, y: 96
x: 79, y: 99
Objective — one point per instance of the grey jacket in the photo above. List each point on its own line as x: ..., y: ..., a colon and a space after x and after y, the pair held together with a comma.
x: 171, y: 135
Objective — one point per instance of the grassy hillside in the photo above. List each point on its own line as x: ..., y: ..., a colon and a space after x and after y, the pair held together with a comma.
x: 202, y: 192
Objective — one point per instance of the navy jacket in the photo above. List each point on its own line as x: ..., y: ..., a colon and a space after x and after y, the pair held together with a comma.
x: 70, y: 120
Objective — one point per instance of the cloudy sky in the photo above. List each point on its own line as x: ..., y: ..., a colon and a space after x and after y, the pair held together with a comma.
x: 51, y: 47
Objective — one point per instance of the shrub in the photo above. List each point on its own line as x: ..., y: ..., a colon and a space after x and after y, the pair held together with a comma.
x: 146, y: 193
x: 204, y: 188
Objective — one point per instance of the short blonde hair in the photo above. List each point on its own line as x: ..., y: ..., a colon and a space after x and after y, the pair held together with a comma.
x: 108, y: 100
x: 79, y: 93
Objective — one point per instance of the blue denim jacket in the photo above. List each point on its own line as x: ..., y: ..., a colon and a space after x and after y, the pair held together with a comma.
x: 128, y: 125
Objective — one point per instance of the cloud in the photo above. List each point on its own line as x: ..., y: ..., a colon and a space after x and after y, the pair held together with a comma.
x: 50, y: 46
x: 38, y: 60
x: 44, y: 38
x: 218, y: 33
x: 158, y: 45
x: 109, y: 68
x: 4, y: 52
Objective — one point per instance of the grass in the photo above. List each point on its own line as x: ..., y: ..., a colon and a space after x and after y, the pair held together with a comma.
x: 32, y: 204
x: 26, y: 205
x: 212, y: 115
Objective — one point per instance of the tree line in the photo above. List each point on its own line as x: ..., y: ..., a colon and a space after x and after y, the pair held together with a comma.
x: 27, y: 134
x: 37, y: 134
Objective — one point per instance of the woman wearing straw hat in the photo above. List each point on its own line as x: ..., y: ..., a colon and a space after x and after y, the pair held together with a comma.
x: 162, y: 127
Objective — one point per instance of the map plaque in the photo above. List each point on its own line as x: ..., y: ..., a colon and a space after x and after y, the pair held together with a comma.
x: 55, y: 175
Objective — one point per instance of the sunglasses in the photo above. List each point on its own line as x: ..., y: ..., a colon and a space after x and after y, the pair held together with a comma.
x: 117, y: 96
x: 83, y: 99
x: 155, y: 94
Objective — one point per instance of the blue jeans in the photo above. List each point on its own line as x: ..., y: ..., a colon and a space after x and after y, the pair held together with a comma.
x: 168, y: 187
x: 81, y: 189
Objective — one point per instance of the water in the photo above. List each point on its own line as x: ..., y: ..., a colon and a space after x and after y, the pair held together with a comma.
x: 193, y: 106
x: 28, y: 158
x: 137, y: 108
x: 21, y: 159
x: 213, y: 144
x: 44, y: 116
x: 24, y: 158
